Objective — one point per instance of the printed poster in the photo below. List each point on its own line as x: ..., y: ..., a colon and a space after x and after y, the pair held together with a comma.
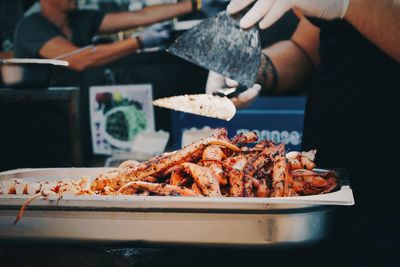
x: 117, y: 114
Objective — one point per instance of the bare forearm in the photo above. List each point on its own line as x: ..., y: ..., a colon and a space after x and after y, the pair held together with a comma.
x: 102, y: 54
x: 292, y: 68
x: 378, y: 21
x: 126, y: 20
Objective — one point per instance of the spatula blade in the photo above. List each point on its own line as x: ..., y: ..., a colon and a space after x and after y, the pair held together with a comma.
x: 219, y: 44
x: 201, y: 104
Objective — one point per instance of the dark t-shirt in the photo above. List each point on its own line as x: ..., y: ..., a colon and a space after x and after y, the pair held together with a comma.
x: 351, y: 113
x: 35, y: 30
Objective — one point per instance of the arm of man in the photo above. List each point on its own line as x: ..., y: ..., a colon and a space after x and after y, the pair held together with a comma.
x: 294, y: 61
x: 89, y: 58
x: 125, y: 20
x: 378, y: 21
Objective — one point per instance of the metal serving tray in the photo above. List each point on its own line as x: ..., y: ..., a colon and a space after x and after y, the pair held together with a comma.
x: 157, y: 220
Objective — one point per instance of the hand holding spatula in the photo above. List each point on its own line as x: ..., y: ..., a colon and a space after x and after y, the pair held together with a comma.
x: 240, y: 95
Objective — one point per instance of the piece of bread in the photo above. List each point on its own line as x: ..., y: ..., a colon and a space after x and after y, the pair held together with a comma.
x: 201, y: 104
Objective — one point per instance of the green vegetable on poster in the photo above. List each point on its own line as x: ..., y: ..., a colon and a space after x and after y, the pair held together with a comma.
x: 123, y: 123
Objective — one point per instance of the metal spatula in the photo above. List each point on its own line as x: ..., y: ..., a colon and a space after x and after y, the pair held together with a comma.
x: 219, y: 44
x: 201, y: 104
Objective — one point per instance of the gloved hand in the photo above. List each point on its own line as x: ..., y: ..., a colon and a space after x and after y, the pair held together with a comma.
x: 247, y: 97
x: 216, y: 81
x: 267, y: 12
x: 153, y: 36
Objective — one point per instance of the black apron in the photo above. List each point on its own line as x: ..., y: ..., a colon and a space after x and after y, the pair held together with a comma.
x: 351, y: 119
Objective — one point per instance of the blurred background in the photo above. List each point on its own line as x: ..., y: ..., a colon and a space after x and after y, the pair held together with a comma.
x: 50, y: 126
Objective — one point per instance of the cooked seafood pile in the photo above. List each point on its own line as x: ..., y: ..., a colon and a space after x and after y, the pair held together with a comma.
x: 215, y: 166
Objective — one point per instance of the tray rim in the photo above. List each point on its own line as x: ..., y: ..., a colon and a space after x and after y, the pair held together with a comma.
x: 342, y: 197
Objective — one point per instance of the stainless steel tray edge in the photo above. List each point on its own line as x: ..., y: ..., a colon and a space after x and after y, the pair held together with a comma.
x: 343, y: 197
x: 220, y: 229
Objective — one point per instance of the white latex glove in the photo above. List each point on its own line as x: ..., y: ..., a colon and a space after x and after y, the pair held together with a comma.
x: 267, y: 12
x: 153, y: 36
x: 247, y: 97
x: 216, y: 81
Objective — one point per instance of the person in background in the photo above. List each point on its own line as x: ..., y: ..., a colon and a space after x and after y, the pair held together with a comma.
x: 60, y: 28
x: 349, y: 52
